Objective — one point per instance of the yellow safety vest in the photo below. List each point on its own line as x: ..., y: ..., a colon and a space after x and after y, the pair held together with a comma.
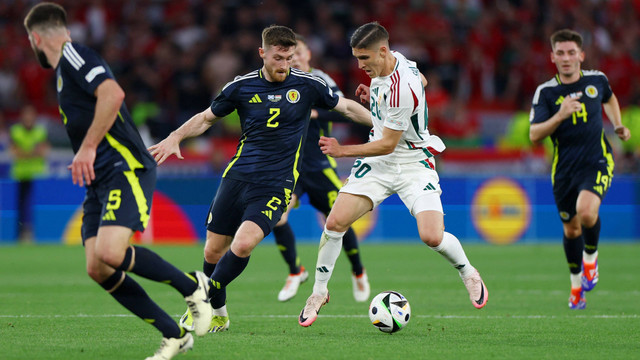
x: 27, y: 140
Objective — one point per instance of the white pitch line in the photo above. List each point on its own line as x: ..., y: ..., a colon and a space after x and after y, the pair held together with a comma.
x: 601, y: 316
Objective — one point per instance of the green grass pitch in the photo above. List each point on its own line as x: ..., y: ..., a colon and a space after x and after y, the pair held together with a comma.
x: 50, y: 309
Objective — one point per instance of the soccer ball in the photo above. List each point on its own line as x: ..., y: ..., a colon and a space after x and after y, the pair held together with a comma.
x: 389, y: 311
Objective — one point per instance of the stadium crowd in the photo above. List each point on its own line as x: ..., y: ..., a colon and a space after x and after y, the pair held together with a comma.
x: 479, y: 56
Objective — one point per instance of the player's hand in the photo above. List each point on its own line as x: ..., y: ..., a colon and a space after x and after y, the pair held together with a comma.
x: 569, y: 105
x: 330, y: 146
x: 314, y: 114
x: 623, y: 132
x: 165, y: 148
x: 82, y: 166
x: 363, y: 93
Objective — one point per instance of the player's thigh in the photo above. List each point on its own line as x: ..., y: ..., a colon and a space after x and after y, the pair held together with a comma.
x: 264, y: 207
x: 347, y: 209
x: 587, y: 207
x: 419, y: 189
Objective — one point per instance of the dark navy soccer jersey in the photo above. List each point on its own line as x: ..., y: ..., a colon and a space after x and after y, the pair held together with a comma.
x: 274, y: 117
x: 313, y: 159
x: 78, y: 74
x: 579, y: 141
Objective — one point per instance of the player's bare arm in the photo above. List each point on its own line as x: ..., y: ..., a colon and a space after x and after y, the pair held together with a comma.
x: 612, y: 109
x: 539, y: 131
x: 195, y: 126
x: 353, y: 111
x: 384, y: 146
x: 109, y: 97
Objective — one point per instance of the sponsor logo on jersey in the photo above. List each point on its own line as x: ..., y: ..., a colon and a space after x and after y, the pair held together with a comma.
x: 293, y: 96
x: 501, y: 210
x: 255, y: 99
x: 59, y: 83
x: 274, y: 98
x: 591, y: 91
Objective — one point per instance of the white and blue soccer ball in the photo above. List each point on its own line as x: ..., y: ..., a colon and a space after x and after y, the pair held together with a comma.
x: 389, y: 311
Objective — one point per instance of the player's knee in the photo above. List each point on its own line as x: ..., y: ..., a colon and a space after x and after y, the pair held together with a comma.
x: 432, y: 239
x: 111, y: 257
x: 212, y: 255
x: 587, y: 217
x: 572, y: 232
x: 336, y: 225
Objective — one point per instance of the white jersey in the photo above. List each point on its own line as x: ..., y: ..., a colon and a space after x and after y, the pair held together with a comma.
x: 398, y: 102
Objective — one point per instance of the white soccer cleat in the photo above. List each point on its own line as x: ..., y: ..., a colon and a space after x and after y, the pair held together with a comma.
x: 478, y: 293
x: 199, y: 306
x: 290, y: 288
x: 309, y: 313
x: 171, y: 347
x: 361, y: 288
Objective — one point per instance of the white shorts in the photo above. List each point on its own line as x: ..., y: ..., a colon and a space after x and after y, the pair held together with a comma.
x: 416, y: 184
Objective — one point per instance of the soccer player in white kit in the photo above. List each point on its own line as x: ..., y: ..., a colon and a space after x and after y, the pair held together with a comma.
x: 399, y: 158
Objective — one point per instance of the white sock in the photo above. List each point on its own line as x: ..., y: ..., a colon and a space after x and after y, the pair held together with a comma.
x: 221, y: 311
x: 590, y: 258
x: 576, y: 280
x: 451, y: 250
x: 328, y: 252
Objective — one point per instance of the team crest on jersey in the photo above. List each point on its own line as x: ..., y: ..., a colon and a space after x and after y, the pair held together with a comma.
x: 293, y: 96
x: 274, y: 98
x: 59, y: 83
x: 591, y: 91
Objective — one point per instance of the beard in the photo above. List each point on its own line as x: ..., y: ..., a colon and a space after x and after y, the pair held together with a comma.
x: 42, y: 58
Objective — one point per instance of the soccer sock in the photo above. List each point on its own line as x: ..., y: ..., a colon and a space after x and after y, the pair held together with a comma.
x: 286, y: 242
x: 227, y: 269
x: 591, y: 236
x: 576, y: 280
x: 133, y: 297
x: 208, y: 268
x: 149, y: 265
x: 350, y: 245
x: 328, y: 252
x: 573, y: 251
x: 451, y: 249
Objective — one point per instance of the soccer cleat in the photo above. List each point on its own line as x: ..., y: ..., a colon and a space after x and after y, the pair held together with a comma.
x: 577, y: 300
x: 311, y: 310
x: 478, y: 293
x: 199, y: 306
x: 218, y: 323
x: 290, y: 288
x: 171, y: 347
x: 589, y: 275
x: 361, y: 288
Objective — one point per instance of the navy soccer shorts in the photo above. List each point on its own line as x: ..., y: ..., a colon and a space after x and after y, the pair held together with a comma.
x: 596, y: 179
x: 237, y: 201
x: 123, y: 198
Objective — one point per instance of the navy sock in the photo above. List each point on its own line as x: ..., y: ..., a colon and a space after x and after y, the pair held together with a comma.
x: 133, y: 297
x: 227, y: 269
x: 573, y: 251
x: 208, y: 268
x: 350, y: 245
x: 286, y: 242
x: 591, y: 237
x: 150, y: 266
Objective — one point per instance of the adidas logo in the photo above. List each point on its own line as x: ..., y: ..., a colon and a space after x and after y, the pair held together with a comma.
x: 322, y: 269
x: 429, y: 187
x: 268, y: 213
x: 109, y: 216
x: 255, y: 99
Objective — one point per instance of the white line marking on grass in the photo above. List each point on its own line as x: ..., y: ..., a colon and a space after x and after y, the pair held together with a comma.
x: 601, y: 316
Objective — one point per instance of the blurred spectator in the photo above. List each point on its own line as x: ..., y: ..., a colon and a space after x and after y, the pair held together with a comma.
x: 29, y: 147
